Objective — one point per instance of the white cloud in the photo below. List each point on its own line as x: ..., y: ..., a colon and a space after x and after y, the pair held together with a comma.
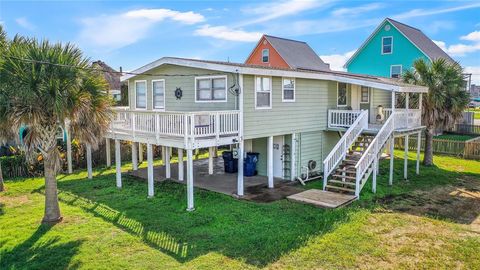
x: 473, y: 36
x: 226, y: 33
x: 337, y: 61
x: 274, y: 10
x: 23, y: 22
x: 427, y: 12
x: 462, y: 49
x: 119, y: 30
x: 357, y: 10
x: 475, y: 71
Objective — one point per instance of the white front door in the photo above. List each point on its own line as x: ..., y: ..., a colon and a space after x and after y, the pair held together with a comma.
x: 278, y: 156
x: 355, y: 97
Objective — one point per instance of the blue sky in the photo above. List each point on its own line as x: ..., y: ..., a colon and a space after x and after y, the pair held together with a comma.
x: 131, y: 34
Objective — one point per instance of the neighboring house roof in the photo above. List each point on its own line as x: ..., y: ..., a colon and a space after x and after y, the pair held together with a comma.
x: 415, y: 36
x: 338, y: 76
x: 297, y: 54
x: 111, y: 76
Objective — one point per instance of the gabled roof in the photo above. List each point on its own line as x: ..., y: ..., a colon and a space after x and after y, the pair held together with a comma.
x: 415, y: 36
x: 329, y: 75
x: 111, y: 76
x: 297, y: 54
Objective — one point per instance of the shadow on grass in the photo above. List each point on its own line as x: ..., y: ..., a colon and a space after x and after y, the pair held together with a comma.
x: 255, y: 233
x: 35, y: 254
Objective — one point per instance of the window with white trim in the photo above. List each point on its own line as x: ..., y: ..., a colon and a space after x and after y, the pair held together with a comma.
x: 211, y: 88
x: 387, y: 45
x: 395, y: 71
x: 341, y: 94
x: 364, y: 94
x: 263, y: 92
x: 141, y: 94
x: 288, y: 90
x: 158, y: 92
x: 265, y: 55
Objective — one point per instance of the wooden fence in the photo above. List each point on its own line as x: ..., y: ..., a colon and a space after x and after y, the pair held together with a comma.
x: 467, y: 149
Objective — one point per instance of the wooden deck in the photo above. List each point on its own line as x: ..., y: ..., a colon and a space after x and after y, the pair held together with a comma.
x: 320, y: 198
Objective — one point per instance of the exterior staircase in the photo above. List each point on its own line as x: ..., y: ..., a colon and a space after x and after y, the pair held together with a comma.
x: 343, y: 178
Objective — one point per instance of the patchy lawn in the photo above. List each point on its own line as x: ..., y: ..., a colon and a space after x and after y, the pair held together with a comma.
x: 430, y: 221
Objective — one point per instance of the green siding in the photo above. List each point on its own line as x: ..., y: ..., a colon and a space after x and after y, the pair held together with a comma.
x: 370, y: 59
x: 379, y: 97
x: 187, y: 84
x: 259, y: 145
x: 311, y: 148
x: 308, y: 113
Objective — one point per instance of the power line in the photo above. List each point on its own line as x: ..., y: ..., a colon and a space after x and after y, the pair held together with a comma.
x: 109, y: 71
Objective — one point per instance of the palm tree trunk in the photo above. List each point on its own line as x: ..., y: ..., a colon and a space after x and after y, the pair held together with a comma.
x: 52, y: 209
x: 2, y: 185
x: 428, y: 155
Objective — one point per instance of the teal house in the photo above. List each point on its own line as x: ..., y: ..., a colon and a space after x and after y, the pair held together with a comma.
x: 391, y: 49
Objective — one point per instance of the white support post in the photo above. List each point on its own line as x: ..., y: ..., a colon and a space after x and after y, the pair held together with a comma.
x: 293, y: 161
x: 151, y: 191
x: 270, y: 161
x: 374, y: 182
x: 69, y: 146
x: 134, y: 156
x: 240, y: 185
x: 405, y: 166
x: 164, y: 149
x: 190, y: 205
x: 180, y: 164
x: 166, y: 161
x: 108, y: 152
x: 419, y: 145
x: 118, y: 163
x: 392, y: 157
x: 210, y: 160
x: 407, y: 107
x: 140, y: 153
x: 89, y: 160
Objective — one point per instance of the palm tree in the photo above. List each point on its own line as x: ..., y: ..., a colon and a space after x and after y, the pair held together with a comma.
x: 5, y: 132
x: 446, y: 98
x: 46, y: 85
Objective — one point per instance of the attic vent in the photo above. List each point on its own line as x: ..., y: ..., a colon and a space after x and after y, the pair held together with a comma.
x: 387, y: 27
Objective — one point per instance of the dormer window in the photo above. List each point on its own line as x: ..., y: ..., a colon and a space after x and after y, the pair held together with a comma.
x: 265, y: 55
x: 387, y: 45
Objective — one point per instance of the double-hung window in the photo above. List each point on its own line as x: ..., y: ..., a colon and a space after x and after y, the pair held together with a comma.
x: 263, y: 92
x: 395, y: 71
x: 211, y: 89
x: 364, y: 94
x: 387, y: 45
x: 341, y: 94
x: 158, y: 92
x: 265, y: 55
x: 140, y: 94
x: 288, y: 92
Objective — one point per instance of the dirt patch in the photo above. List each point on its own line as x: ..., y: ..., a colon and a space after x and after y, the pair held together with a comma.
x: 10, y: 201
x: 459, y: 203
x: 263, y: 194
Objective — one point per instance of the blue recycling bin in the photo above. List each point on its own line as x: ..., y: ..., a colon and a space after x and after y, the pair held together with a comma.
x: 230, y: 163
x: 250, y: 164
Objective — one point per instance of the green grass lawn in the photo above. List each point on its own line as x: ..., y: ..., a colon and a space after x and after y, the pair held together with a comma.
x: 109, y: 228
x: 455, y: 137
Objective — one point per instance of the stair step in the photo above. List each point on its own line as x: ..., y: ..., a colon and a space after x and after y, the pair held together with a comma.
x: 350, y: 161
x: 345, y: 171
x: 341, y: 182
x: 344, y: 176
x: 340, y: 188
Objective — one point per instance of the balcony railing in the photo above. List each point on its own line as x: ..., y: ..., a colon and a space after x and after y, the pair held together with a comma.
x: 195, y: 125
x: 404, y: 119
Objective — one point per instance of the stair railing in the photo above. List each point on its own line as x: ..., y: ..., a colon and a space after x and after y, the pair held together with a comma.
x: 340, y: 150
x: 369, y: 156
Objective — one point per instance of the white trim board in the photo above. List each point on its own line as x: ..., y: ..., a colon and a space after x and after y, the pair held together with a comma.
x: 250, y: 70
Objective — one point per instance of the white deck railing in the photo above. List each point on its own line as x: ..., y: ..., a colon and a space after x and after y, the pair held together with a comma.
x: 340, y: 150
x: 373, y: 150
x: 176, y: 124
x: 342, y: 118
x: 406, y: 119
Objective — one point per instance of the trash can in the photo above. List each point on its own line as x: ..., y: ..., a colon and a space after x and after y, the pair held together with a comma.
x: 250, y: 164
x: 230, y: 163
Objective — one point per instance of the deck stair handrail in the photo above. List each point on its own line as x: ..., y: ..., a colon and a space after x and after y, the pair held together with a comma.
x: 373, y: 150
x: 340, y: 150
